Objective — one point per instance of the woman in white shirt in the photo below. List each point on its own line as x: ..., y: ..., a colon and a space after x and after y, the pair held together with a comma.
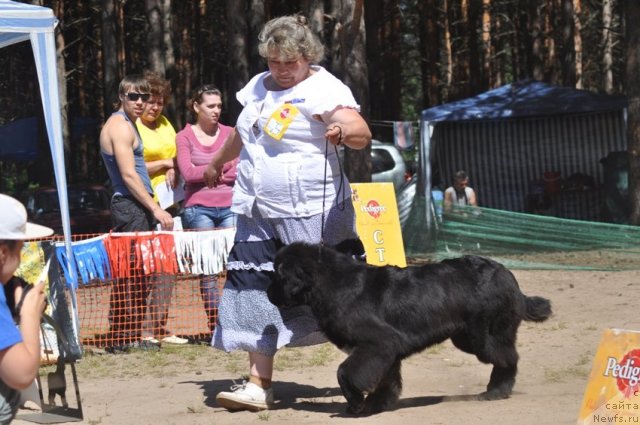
x: 294, y: 114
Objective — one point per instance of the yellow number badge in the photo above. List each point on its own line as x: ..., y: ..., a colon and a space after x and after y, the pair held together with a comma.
x: 280, y: 120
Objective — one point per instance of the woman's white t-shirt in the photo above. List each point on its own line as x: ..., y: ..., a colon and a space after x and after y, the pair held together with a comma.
x: 282, y: 165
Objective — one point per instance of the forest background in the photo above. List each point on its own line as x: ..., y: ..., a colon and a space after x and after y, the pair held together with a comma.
x: 398, y: 56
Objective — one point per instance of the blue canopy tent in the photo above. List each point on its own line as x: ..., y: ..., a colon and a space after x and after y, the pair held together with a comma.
x: 25, y: 22
x: 508, y: 137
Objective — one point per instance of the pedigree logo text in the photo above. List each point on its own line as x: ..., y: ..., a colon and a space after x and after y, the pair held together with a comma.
x: 626, y: 372
x: 373, y: 208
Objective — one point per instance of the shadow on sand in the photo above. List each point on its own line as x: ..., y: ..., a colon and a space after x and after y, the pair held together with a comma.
x: 329, y: 400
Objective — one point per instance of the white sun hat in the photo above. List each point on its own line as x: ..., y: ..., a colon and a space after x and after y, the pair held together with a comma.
x: 13, y: 221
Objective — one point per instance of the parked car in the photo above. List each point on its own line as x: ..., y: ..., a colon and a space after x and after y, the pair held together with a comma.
x: 387, y: 164
x: 89, y: 208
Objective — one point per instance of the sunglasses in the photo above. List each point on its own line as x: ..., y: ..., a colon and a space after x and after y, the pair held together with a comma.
x: 132, y: 96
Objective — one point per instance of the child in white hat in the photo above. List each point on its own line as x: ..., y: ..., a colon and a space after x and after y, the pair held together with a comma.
x: 19, y: 346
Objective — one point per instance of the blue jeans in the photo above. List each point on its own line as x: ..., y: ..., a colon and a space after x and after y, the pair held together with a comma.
x: 203, y: 218
x: 199, y: 217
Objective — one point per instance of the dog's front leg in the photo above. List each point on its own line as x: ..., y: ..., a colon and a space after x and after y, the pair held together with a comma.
x: 354, y: 395
x: 361, y: 373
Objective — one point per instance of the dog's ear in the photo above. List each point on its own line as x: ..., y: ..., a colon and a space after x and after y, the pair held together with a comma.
x: 296, y: 279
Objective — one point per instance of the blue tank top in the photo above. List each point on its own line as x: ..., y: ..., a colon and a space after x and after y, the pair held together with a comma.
x: 119, y: 188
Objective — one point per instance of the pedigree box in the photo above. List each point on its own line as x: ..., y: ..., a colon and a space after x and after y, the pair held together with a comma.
x: 612, y: 394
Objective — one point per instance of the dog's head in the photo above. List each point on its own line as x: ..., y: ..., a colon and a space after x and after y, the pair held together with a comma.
x: 295, y: 268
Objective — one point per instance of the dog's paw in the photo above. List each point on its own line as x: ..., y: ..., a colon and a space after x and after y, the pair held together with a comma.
x: 356, y: 409
x: 493, y: 395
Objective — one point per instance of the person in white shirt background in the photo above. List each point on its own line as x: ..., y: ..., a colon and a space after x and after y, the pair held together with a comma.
x: 459, y: 193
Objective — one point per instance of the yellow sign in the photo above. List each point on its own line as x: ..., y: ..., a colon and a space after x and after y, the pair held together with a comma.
x: 613, y: 391
x: 378, y: 223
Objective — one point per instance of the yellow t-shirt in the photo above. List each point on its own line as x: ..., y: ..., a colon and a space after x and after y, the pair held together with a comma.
x: 159, y: 143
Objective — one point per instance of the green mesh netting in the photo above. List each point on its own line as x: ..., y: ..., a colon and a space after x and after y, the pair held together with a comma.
x: 524, y: 241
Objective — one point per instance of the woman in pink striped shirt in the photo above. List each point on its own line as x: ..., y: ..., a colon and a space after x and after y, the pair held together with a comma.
x: 204, y: 207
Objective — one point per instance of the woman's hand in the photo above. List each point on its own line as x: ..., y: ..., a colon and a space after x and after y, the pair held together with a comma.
x: 345, y: 126
x: 334, y: 134
x: 170, y: 176
x: 34, y: 301
x: 212, y: 175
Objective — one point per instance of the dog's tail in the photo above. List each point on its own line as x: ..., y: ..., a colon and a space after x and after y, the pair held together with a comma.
x: 538, y: 309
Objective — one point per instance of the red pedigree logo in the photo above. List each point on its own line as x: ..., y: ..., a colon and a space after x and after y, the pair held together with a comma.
x: 626, y: 372
x: 373, y: 208
x: 284, y: 113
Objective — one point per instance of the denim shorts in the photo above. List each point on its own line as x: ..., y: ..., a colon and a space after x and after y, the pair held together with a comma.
x: 199, y: 217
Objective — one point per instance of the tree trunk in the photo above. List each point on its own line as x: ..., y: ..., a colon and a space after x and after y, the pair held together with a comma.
x: 577, y: 43
x: 537, y: 41
x: 487, y: 51
x: 551, y: 70
x: 392, y: 62
x: 429, y: 46
x: 475, y: 73
x: 568, y: 30
x: 463, y: 59
x: 607, y: 47
x: 256, y: 22
x: 62, y: 75
x: 238, y: 51
x: 633, y: 117
x: 349, y: 63
x: 155, y: 36
x: 374, y: 20
x: 109, y: 54
x: 446, y: 70
x: 314, y: 11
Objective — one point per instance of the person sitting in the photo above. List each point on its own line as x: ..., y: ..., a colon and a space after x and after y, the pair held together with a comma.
x: 459, y: 194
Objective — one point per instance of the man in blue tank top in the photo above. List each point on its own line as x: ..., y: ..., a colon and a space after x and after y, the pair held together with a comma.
x: 132, y: 205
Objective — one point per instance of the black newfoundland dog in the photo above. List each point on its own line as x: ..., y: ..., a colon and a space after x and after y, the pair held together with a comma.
x: 381, y: 315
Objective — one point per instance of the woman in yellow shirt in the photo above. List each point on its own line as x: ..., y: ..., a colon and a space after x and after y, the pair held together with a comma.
x: 159, y: 140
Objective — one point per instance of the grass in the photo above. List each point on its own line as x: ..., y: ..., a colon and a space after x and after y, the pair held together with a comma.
x: 580, y: 369
x: 172, y: 360
x: 564, y: 374
x: 298, y: 358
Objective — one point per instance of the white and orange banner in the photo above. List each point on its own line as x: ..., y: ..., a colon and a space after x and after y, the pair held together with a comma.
x: 613, y: 391
x: 378, y: 223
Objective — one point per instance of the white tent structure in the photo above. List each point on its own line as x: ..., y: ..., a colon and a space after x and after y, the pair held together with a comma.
x: 21, y: 22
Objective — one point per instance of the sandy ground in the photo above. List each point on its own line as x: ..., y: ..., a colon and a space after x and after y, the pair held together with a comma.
x: 439, y: 384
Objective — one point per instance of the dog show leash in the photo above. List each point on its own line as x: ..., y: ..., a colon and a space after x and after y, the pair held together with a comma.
x: 324, y: 186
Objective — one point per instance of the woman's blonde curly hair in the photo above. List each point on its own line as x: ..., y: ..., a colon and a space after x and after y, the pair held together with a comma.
x: 290, y: 37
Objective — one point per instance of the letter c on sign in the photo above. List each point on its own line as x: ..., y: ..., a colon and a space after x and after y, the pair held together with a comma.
x: 377, y: 237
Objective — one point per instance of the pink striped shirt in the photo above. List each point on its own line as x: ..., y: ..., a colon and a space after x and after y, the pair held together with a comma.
x: 193, y: 158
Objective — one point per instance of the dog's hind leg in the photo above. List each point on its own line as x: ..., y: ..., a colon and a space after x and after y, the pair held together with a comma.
x: 387, y: 393
x: 501, y: 383
x: 504, y: 357
x: 361, y: 372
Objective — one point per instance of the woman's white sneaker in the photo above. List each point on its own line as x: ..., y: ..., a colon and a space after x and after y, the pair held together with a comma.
x: 246, y: 396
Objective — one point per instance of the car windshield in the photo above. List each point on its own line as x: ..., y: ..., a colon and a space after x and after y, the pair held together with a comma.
x: 79, y: 199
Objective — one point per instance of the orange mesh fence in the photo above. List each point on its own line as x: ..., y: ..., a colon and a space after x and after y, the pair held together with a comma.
x: 142, y: 285
x: 119, y: 311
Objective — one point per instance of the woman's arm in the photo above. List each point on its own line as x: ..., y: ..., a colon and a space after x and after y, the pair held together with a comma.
x: 159, y: 165
x: 190, y: 173
x: 228, y: 152
x: 19, y: 363
x: 346, y: 126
